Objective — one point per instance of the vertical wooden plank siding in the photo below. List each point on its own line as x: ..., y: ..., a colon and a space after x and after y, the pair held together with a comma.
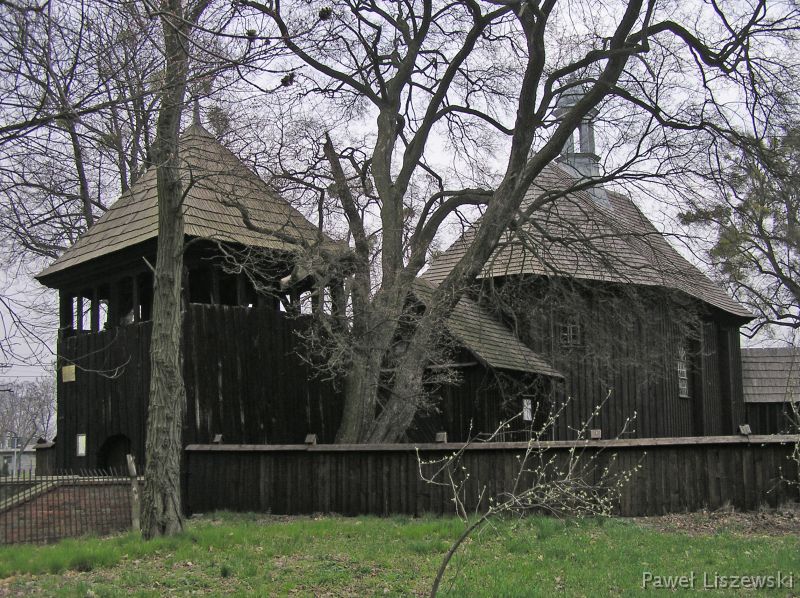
x: 676, y: 475
x: 240, y: 368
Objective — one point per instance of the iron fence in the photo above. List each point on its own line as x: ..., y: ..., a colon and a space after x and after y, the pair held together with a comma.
x: 47, y: 508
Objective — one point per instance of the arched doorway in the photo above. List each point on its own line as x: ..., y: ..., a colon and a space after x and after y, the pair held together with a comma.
x: 112, y: 454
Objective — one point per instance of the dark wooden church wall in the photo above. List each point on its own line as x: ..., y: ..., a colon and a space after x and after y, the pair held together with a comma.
x: 630, y: 366
x: 731, y: 376
x: 771, y: 418
x: 661, y: 412
x: 479, y: 402
x: 246, y: 380
x: 108, y: 396
x: 461, y: 409
x: 710, y: 392
x: 243, y: 379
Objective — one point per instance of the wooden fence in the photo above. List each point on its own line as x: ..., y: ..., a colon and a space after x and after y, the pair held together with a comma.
x: 676, y: 475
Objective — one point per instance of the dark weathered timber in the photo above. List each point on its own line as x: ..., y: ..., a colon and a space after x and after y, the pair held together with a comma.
x: 241, y: 370
x: 683, y: 474
x: 627, y: 357
x: 244, y: 380
x: 771, y: 418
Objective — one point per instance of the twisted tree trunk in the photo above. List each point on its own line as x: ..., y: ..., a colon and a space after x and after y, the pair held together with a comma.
x: 161, y: 500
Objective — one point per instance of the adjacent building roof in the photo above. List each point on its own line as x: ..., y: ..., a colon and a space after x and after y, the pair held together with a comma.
x: 771, y: 375
x: 486, y: 338
x: 213, y: 178
x: 575, y: 236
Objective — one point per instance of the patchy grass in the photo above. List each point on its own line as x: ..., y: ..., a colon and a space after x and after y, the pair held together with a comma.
x: 242, y: 555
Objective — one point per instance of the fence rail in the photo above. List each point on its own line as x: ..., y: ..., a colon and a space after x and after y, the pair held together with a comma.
x: 676, y: 475
x: 47, y: 508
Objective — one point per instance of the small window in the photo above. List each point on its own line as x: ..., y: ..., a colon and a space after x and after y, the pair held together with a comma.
x: 102, y: 320
x: 571, y: 332
x: 306, y: 303
x: 81, y: 445
x: 682, y: 365
x: 527, y: 410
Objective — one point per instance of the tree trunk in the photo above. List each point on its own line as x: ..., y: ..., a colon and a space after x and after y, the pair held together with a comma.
x: 406, y: 393
x: 360, y: 395
x: 375, y: 328
x: 395, y: 419
x: 161, y: 499
x: 162, y: 513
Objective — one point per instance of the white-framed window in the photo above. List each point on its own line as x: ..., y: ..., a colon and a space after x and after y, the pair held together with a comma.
x: 80, y: 445
x: 306, y: 303
x: 570, y: 332
x: 682, y: 365
x: 527, y: 410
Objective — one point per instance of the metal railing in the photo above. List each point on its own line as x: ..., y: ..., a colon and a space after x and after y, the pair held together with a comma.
x: 69, y: 504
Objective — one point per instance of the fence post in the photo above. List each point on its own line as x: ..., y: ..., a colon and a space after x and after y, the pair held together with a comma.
x: 135, y: 524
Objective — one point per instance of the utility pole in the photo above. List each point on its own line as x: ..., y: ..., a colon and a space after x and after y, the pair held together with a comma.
x: 9, y: 390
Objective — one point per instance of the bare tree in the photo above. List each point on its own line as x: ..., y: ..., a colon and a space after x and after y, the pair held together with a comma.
x: 191, y: 49
x: 161, y: 501
x: 78, y: 87
x: 436, y: 109
x: 754, y: 218
x: 27, y: 412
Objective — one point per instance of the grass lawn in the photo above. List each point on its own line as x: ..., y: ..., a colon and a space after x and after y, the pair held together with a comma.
x: 256, y: 555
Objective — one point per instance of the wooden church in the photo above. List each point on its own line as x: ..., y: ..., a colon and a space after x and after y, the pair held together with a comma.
x: 245, y: 379
x: 639, y: 334
x: 585, y: 308
x: 240, y: 362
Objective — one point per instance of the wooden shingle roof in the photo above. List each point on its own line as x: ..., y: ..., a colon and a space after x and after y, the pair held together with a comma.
x: 575, y: 236
x: 486, y: 338
x: 771, y: 375
x: 213, y: 177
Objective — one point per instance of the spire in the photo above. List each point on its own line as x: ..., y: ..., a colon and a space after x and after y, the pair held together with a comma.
x: 196, y: 112
x: 197, y: 128
x: 579, y: 153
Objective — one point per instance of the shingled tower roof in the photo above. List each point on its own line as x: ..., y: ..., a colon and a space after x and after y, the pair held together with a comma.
x: 575, y: 236
x: 215, y: 180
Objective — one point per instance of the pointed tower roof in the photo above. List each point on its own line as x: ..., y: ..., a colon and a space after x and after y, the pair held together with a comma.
x: 216, y: 183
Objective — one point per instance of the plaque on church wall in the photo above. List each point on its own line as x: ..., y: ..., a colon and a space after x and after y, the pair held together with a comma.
x: 68, y: 373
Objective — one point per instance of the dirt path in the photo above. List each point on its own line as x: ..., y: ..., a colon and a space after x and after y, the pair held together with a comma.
x: 767, y: 522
